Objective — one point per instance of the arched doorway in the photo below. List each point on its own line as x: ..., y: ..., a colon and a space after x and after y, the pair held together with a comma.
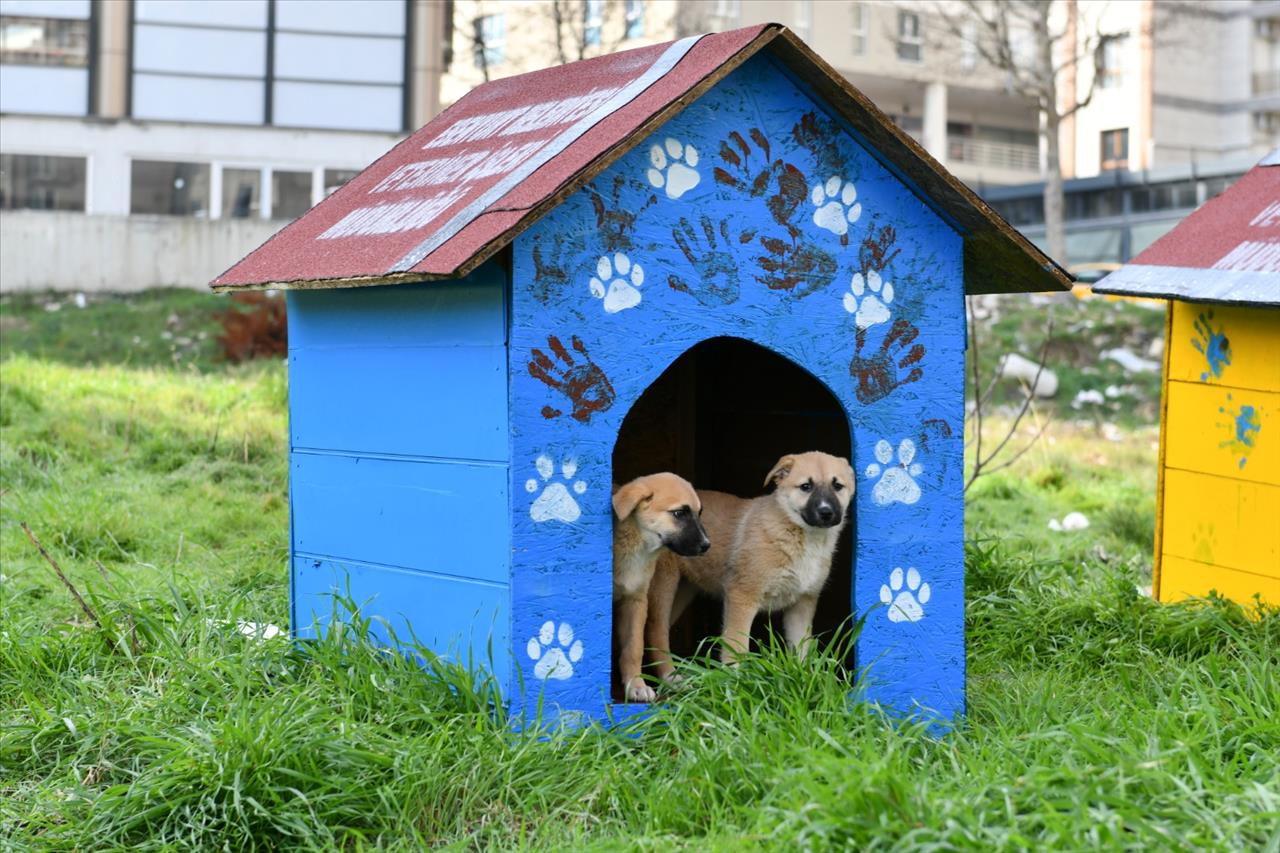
x: 720, y: 416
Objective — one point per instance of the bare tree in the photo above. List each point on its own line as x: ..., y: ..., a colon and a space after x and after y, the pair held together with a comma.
x: 983, y: 391
x: 1041, y: 46
x: 579, y: 25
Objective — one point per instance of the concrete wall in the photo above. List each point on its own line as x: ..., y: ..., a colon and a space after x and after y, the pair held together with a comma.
x: 42, y: 250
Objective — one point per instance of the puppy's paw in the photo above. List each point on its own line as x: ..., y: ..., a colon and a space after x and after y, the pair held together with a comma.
x: 675, y: 680
x: 638, y: 691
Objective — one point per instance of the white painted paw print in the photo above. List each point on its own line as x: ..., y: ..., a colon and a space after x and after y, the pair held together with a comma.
x: 897, y: 482
x: 905, y: 605
x: 554, y: 651
x: 617, y: 282
x: 673, y: 167
x: 555, y: 503
x: 837, y: 205
x: 869, y: 299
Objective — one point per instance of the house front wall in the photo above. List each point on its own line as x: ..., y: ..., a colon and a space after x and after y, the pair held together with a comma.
x: 1220, y: 455
x: 752, y: 214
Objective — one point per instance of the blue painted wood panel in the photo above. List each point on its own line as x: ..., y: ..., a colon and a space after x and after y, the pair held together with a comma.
x: 466, y: 621
x: 440, y: 402
x: 431, y: 516
x: 754, y: 213
x: 469, y: 311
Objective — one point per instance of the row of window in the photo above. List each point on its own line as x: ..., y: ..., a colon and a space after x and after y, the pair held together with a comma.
x: 39, y: 182
x: 489, y: 33
x: 1111, y: 201
x: 293, y: 63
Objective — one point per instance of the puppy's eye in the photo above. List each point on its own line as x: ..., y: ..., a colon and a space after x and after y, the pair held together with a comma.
x: 837, y: 485
x: 682, y: 513
x: 806, y: 486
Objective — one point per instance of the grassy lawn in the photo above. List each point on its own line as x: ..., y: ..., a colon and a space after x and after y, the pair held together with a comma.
x: 1098, y: 719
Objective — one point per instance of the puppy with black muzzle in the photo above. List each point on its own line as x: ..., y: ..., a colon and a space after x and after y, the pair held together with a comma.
x: 653, y: 513
x: 771, y: 553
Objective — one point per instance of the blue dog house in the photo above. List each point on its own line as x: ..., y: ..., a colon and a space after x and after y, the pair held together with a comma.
x: 697, y: 257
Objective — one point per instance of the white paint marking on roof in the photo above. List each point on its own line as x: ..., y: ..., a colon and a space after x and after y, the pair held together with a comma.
x: 621, y: 98
x: 1252, y: 255
x: 1268, y: 217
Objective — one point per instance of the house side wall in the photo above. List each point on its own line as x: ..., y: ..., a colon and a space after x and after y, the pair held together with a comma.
x: 721, y: 224
x: 398, y: 462
x: 1221, y: 455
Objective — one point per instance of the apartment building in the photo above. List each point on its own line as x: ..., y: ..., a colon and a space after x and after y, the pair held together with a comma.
x: 1185, y: 83
x: 251, y: 109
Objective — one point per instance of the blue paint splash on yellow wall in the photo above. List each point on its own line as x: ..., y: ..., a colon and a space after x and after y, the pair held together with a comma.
x: 1214, y: 346
x: 1243, y: 427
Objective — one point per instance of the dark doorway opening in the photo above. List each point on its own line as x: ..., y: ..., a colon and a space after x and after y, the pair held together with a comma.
x: 720, y: 416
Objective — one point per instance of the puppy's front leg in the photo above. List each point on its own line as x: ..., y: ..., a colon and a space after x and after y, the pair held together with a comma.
x: 739, y: 612
x: 797, y: 624
x: 630, y: 628
x: 663, y: 590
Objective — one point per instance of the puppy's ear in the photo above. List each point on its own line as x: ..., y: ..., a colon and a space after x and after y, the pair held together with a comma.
x: 780, y: 470
x: 626, y: 499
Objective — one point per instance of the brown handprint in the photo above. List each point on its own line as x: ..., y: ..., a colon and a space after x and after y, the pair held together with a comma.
x: 757, y: 174
x: 877, y: 374
x: 614, y: 222
x: 874, y: 252
x: 552, y: 256
x: 711, y: 259
x: 823, y: 137
x: 792, y: 262
x: 585, y: 385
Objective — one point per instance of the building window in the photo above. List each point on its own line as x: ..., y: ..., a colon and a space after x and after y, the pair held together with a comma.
x: 592, y: 22
x: 804, y: 19
x: 290, y: 194
x: 725, y: 14
x: 1115, y: 149
x: 1111, y: 62
x: 174, y: 189
x: 910, y: 42
x: 241, y: 193
x: 44, y: 41
x: 36, y: 182
x: 858, y: 27
x: 491, y: 41
x: 968, y: 45
x: 335, y: 178
x: 635, y: 19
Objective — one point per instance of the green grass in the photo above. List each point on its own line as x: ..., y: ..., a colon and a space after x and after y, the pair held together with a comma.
x: 160, y: 328
x: 1098, y: 719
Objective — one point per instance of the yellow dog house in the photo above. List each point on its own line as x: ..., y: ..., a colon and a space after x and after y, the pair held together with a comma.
x: 1218, y: 511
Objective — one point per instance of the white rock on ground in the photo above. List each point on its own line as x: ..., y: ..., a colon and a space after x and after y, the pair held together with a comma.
x: 1014, y: 366
x: 1070, y: 522
x: 1130, y: 361
x: 1088, y: 395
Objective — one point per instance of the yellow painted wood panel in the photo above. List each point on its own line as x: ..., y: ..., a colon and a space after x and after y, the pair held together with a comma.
x: 1183, y: 578
x: 1225, y: 522
x: 1225, y: 345
x: 1230, y: 432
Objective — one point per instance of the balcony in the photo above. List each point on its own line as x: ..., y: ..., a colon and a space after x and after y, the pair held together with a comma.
x: 1266, y: 82
x: 996, y: 155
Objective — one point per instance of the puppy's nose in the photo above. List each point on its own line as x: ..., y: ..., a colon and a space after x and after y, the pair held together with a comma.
x: 826, y: 512
x: 704, y: 546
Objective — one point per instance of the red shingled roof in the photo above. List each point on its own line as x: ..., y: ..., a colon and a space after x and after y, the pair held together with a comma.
x: 458, y: 190
x: 1227, y: 250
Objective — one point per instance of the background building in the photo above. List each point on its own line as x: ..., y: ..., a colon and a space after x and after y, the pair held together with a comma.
x: 187, y: 130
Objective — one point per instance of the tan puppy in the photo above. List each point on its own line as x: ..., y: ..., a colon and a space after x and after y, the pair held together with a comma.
x: 650, y: 513
x: 769, y: 553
